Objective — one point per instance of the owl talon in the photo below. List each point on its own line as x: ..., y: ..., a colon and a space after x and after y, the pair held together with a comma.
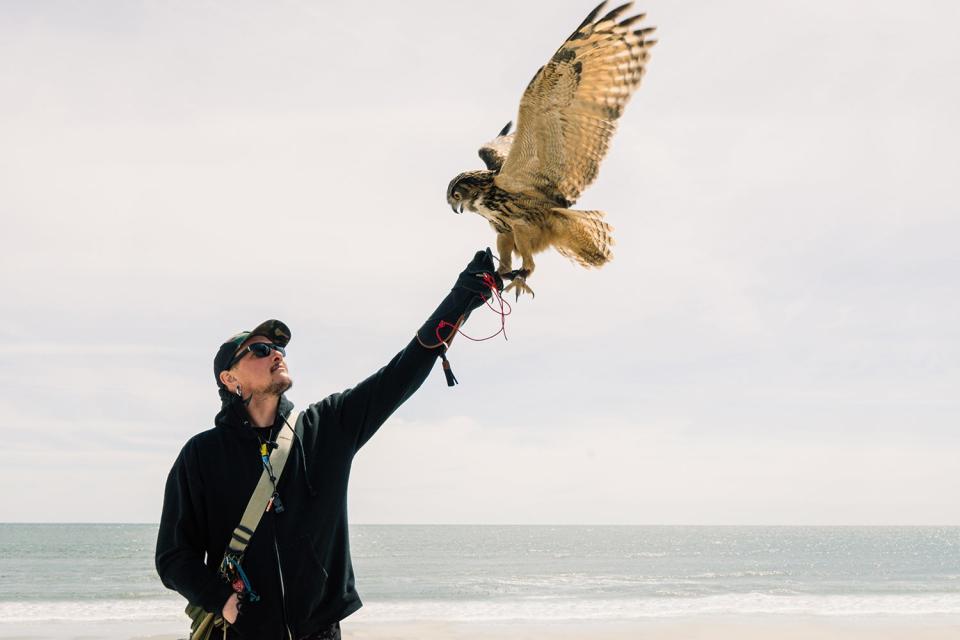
x: 516, y: 273
x: 519, y: 285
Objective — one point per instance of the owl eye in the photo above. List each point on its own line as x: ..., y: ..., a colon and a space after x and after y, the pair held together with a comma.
x: 456, y: 195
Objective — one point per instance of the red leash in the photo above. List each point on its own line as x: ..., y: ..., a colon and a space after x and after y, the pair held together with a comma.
x: 504, y: 310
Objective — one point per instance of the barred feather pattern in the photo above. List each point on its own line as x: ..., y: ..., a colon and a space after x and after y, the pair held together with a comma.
x: 569, y: 110
x: 587, y: 238
x: 495, y: 152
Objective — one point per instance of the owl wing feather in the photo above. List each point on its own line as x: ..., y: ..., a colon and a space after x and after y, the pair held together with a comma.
x: 569, y: 110
x: 495, y: 152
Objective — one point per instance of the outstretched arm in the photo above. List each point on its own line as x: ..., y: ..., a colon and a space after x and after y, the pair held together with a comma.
x: 368, y: 405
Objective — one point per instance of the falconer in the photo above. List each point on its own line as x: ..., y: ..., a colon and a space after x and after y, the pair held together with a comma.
x: 298, y: 559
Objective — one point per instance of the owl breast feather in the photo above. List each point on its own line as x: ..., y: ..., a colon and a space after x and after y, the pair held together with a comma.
x: 498, y: 217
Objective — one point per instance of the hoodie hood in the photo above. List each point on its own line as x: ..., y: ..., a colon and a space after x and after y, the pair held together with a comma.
x: 233, y: 414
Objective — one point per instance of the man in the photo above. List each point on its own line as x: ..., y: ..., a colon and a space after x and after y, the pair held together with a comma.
x: 298, y: 560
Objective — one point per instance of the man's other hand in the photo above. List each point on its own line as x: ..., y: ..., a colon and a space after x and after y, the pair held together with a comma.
x: 230, y: 610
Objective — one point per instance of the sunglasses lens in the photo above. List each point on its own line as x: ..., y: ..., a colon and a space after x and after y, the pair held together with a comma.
x: 260, y: 349
x: 280, y: 349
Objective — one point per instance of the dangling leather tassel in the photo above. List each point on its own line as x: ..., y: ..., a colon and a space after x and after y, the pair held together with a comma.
x: 447, y: 371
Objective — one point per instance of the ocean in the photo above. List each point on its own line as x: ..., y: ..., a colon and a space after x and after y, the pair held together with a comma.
x: 101, y: 573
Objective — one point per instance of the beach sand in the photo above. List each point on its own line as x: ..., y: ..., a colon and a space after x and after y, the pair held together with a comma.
x: 700, y: 628
x: 690, y: 629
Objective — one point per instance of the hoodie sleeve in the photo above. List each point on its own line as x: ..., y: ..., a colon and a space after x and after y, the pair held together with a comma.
x: 366, y: 406
x: 180, y: 541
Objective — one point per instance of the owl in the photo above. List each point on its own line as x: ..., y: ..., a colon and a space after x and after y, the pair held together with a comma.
x: 567, y: 116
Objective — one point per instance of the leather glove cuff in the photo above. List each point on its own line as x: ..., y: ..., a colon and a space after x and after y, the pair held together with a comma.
x: 471, y: 290
x: 441, y: 327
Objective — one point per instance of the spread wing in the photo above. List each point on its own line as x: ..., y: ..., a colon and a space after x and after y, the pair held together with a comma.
x: 569, y: 110
x: 495, y: 152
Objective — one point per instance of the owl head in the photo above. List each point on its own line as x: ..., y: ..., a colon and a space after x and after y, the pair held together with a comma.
x: 466, y: 188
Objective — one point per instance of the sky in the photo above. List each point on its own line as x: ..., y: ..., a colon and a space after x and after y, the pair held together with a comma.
x: 775, y: 342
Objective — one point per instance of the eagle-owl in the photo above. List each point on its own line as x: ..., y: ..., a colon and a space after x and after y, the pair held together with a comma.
x: 567, y: 116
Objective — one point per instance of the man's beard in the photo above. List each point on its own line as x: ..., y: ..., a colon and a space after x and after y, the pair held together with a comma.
x: 279, y: 387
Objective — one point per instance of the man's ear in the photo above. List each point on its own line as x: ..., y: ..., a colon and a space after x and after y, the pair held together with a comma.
x: 228, y: 380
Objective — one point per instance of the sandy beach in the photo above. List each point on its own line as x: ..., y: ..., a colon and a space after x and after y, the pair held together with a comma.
x: 699, y: 628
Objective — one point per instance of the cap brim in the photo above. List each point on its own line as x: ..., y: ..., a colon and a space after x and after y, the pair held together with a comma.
x: 276, y: 331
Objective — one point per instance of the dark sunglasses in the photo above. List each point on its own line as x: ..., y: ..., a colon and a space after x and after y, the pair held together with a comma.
x: 259, y: 350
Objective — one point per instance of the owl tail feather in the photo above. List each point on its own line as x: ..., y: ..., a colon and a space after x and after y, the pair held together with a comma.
x: 584, y: 237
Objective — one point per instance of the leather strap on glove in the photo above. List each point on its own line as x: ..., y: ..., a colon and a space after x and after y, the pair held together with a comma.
x: 471, y: 290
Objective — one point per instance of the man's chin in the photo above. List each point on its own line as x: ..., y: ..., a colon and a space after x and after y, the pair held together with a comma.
x: 280, y: 386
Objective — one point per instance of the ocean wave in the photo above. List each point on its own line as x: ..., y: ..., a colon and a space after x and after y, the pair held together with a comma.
x: 669, y: 607
x: 147, y: 610
x: 710, y: 575
x: 528, y: 609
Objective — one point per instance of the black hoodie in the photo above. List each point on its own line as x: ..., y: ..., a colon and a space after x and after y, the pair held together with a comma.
x: 214, y: 476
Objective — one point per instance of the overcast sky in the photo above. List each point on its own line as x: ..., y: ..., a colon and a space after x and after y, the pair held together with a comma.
x: 776, y: 341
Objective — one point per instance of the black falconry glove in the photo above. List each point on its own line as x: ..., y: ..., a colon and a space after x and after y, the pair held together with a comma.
x: 469, y: 292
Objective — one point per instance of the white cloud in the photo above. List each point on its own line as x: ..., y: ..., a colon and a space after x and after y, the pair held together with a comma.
x: 782, y: 187
x: 635, y: 474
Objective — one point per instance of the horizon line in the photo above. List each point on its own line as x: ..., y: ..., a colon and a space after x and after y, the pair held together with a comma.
x: 523, y: 524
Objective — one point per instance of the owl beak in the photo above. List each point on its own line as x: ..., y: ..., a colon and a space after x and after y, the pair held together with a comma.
x: 453, y: 205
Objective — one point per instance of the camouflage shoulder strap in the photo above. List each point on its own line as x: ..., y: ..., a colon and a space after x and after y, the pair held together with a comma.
x: 265, y: 490
x: 203, y: 623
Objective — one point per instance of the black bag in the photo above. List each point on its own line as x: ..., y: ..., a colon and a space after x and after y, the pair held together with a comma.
x: 203, y: 623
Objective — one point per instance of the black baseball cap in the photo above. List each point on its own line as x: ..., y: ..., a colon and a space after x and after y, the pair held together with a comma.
x: 274, y: 330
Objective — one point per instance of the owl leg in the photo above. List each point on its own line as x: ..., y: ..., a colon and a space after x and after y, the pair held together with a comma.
x: 519, y: 284
x: 505, y: 250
